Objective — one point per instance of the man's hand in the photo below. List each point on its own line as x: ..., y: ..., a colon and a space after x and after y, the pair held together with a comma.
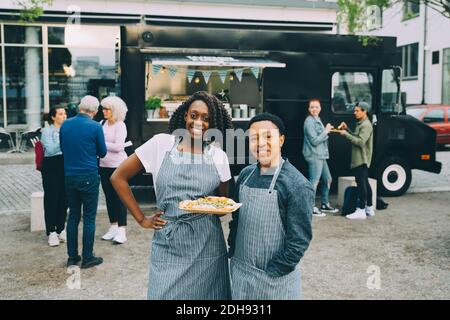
x: 343, y: 126
x: 153, y: 222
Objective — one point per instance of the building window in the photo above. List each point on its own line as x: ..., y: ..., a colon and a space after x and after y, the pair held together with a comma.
x: 411, y: 9
x: 446, y: 76
x: 23, y: 75
x: 348, y: 88
x: 435, y: 57
x: 82, y: 61
x: 408, y: 59
x: 2, y: 110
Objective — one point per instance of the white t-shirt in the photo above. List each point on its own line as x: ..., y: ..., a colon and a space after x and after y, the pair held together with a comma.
x: 151, y: 154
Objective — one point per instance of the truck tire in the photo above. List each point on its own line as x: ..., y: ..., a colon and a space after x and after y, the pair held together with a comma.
x: 393, y: 177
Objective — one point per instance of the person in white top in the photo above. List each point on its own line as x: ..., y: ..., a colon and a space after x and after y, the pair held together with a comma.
x: 189, y: 254
x: 115, y: 130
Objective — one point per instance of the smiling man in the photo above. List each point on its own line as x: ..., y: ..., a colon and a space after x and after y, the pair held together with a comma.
x: 272, y: 230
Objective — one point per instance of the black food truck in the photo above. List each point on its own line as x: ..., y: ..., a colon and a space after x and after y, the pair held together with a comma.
x: 255, y: 69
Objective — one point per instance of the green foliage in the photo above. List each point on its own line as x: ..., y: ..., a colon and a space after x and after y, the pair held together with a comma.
x: 153, y: 102
x: 30, y: 10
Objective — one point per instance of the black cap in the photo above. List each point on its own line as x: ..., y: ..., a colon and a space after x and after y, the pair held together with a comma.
x: 266, y: 116
x: 363, y: 105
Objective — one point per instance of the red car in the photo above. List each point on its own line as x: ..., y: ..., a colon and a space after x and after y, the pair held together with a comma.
x: 437, y: 117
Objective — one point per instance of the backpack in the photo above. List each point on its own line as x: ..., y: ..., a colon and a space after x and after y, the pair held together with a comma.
x: 39, y: 154
x: 350, y: 200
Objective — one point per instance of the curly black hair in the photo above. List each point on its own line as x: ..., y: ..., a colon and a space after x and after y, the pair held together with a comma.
x: 219, y: 118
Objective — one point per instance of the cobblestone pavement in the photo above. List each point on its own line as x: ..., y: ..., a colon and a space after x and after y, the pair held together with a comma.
x: 18, y: 182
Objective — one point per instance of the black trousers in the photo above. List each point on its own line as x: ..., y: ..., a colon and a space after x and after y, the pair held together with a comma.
x: 55, y: 200
x: 362, y: 183
x: 117, y: 212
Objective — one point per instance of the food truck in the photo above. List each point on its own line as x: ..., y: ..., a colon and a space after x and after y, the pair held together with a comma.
x: 254, y: 69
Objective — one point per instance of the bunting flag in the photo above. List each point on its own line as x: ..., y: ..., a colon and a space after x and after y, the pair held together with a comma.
x: 206, y: 75
x: 222, y: 75
x: 156, y: 69
x: 190, y: 74
x: 172, y: 72
x: 238, y: 73
x: 255, y: 71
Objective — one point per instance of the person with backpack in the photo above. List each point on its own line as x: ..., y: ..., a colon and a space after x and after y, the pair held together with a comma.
x: 362, y: 146
x: 315, y: 151
x: 115, y: 131
x: 52, y: 170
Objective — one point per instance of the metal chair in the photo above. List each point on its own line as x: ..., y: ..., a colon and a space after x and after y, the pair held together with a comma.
x: 5, y: 135
x: 27, y: 136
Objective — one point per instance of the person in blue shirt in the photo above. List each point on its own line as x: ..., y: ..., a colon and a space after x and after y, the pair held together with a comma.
x: 55, y: 200
x: 272, y: 229
x: 82, y: 143
x: 315, y: 151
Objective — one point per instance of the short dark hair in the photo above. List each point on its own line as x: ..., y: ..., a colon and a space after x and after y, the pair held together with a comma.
x: 266, y: 116
x: 52, y: 113
x: 364, y: 106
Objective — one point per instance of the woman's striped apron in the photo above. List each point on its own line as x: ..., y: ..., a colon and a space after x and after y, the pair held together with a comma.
x: 260, y: 235
x: 189, y: 254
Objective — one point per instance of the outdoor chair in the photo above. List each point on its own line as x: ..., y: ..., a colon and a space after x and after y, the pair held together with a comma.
x: 27, y: 136
x: 5, y: 135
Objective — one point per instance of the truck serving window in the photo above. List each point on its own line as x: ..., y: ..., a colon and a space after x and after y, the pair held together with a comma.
x: 348, y: 88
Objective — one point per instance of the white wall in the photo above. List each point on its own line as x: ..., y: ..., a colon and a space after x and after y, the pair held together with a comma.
x: 412, y: 31
x: 186, y: 9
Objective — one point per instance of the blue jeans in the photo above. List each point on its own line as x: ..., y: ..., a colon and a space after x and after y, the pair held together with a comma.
x: 319, y: 171
x: 82, y: 191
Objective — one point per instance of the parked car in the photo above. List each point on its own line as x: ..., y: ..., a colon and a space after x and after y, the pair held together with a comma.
x: 437, y: 117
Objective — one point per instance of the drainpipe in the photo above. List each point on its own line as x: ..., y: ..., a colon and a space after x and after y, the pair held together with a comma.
x: 424, y: 52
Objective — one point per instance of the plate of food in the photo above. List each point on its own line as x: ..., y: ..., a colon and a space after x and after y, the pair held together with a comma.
x: 210, y: 204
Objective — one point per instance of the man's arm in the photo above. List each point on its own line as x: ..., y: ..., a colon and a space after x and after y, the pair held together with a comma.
x: 101, y: 145
x: 298, y: 230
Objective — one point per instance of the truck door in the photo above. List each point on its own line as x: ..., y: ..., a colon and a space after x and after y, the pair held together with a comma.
x: 347, y: 88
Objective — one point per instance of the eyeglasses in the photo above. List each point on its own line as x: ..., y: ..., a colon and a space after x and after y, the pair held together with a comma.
x: 106, y: 108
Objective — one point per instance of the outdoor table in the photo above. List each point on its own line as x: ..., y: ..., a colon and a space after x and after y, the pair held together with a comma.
x: 17, y: 129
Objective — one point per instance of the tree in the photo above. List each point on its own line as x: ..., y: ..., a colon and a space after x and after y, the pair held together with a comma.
x: 30, y: 10
x: 355, y: 13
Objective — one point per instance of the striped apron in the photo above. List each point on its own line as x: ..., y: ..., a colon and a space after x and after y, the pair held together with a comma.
x: 189, y: 254
x: 260, y: 235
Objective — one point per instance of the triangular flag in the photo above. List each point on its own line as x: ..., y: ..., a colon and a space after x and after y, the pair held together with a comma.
x: 190, y: 74
x: 172, y: 72
x: 222, y: 75
x: 255, y: 71
x: 206, y: 75
x: 239, y: 73
x: 156, y: 69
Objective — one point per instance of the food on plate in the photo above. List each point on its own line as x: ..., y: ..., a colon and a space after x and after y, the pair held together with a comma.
x: 210, y: 204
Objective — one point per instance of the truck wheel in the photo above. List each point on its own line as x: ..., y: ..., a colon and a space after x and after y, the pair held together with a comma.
x: 393, y: 177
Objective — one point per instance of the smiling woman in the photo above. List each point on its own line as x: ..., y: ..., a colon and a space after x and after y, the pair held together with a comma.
x: 185, y: 247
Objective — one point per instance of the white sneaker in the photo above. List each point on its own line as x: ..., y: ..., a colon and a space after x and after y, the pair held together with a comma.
x: 121, y: 236
x: 112, y: 232
x: 318, y: 213
x: 358, y: 214
x: 62, y: 236
x: 370, y: 211
x: 53, y: 240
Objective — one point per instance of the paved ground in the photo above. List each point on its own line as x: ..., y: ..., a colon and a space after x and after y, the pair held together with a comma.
x: 406, y: 249
x: 407, y: 245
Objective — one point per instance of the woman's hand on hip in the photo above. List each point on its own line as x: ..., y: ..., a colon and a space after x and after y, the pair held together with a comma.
x: 153, y: 222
